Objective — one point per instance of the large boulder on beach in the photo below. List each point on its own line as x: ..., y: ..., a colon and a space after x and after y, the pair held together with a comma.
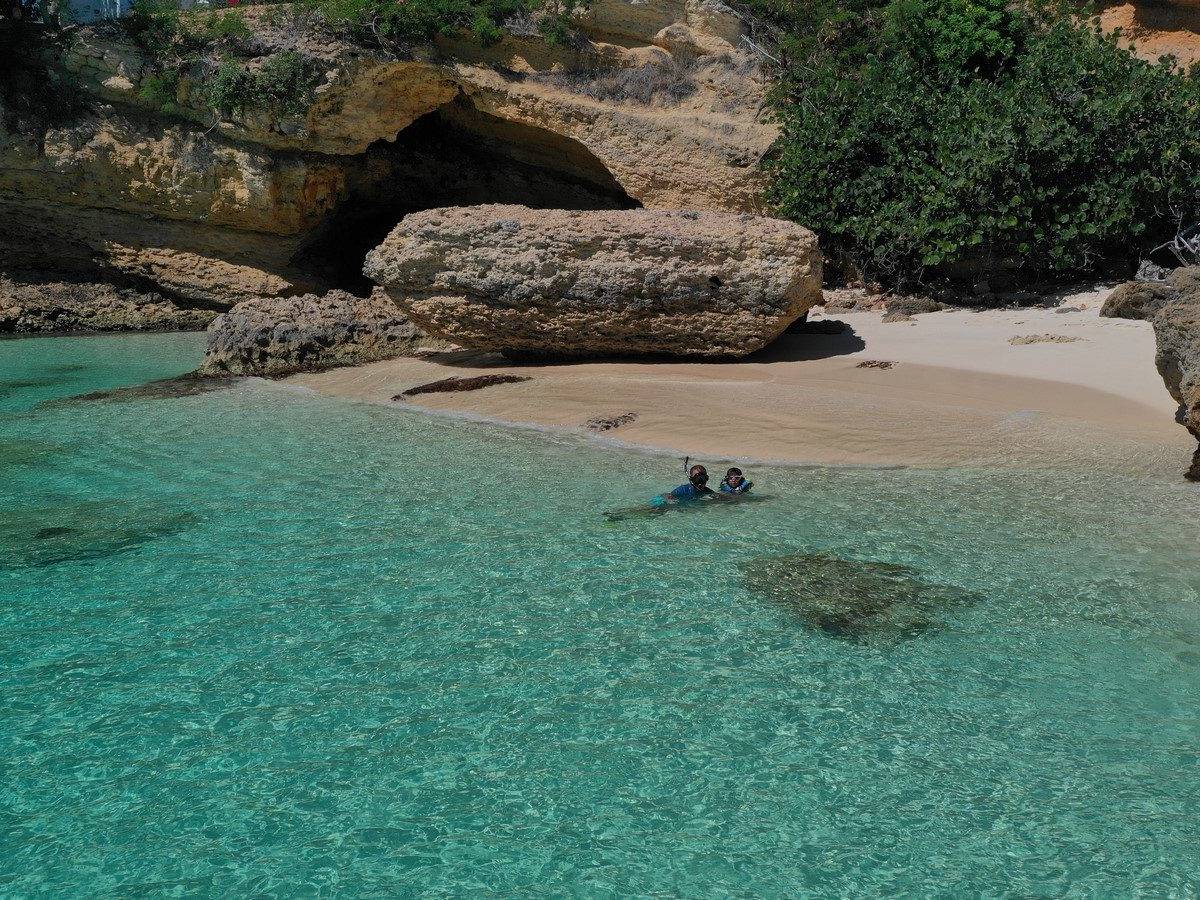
x: 278, y: 336
x: 1177, y: 331
x: 1143, y: 299
x: 619, y: 282
x: 1136, y: 300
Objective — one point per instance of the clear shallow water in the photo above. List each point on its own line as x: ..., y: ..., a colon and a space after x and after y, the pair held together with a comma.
x: 255, y: 641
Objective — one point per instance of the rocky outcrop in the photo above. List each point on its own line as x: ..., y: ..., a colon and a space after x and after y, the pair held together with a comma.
x: 1143, y: 299
x: 38, y: 305
x: 1137, y: 300
x: 566, y: 283
x: 293, y: 334
x: 1173, y: 306
x: 913, y: 306
x: 1177, y: 331
x: 221, y: 207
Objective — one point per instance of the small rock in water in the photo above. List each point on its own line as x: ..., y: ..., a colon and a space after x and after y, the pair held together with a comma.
x: 853, y: 600
x: 601, y: 423
x: 27, y: 453
x: 30, y: 537
x: 187, y: 385
x: 54, y: 531
x: 875, y: 364
x: 456, y: 383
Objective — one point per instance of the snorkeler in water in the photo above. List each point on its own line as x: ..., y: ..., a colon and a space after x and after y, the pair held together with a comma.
x: 735, y: 482
x: 696, y: 488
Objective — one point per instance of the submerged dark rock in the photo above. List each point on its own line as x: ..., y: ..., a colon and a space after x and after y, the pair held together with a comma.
x: 851, y: 599
x: 186, y: 385
x: 22, y: 452
x: 32, y: 537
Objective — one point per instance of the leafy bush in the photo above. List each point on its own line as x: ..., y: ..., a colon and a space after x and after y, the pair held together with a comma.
x: 649, y: 85
x: 231, y: 89
x: 969, y: 133
x: 160, y: 89
x: 416, y: 21
x: 556, y: 29
x: 168, y: 34
x: 174, y: 41
x: 283, y: 85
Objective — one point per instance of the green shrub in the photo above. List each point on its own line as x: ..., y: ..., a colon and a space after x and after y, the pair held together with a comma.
x: 556, y: 29
x: 417, y: 21
x: 969, y: 133
x: 229, y: 26
x: 160, y: 89
x: 231, y: 89
x: 283, y: 85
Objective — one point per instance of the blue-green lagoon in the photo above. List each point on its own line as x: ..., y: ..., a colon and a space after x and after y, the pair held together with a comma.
x: 256, y: 641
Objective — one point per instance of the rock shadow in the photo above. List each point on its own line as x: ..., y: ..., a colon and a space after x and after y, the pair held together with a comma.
x: 855, y: 601
x: 809, y: 347
x: 787, y: 348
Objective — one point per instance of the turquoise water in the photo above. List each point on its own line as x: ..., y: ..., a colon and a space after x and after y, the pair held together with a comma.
x: 260, y: 642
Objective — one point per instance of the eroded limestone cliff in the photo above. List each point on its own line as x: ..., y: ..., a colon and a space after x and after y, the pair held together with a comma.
x: 657, y: 107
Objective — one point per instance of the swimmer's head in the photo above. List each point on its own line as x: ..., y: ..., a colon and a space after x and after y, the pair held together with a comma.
x: 698, y: 475
x: 734, y: 476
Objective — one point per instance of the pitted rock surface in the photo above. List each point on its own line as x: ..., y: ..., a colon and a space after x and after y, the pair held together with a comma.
x: 1177, y: 331
x: 278, y: 336
x: 599, y: 283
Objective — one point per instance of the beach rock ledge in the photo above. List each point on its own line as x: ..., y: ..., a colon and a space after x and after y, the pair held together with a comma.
x: 1177, y: 330
x: 276, y: 336
x: 599, y: 283
x: 1173, y: 307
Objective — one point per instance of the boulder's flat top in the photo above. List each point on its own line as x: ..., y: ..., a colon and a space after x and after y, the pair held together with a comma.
x: 958, y: 394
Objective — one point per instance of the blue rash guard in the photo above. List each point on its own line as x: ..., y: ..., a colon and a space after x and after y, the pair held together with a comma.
x: 743, y: 488
x: 689, y: 492
x: 684, y: 492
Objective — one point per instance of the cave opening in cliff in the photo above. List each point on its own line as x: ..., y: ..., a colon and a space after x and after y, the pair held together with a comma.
x: 453, y: 156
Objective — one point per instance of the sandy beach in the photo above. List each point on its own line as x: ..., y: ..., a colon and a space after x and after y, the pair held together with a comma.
x: 957, y: 392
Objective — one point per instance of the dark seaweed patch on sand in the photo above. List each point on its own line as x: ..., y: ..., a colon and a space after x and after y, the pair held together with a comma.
x: 854, y: 600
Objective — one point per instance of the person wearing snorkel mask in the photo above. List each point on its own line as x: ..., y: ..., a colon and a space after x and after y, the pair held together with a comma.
x: 696, y: 488
x: 735, y: 482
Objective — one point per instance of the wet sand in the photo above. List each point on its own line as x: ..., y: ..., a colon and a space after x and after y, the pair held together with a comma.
x: 958, y: 393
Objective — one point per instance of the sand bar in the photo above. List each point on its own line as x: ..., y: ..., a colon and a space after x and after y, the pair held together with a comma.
x: 958, y: 393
